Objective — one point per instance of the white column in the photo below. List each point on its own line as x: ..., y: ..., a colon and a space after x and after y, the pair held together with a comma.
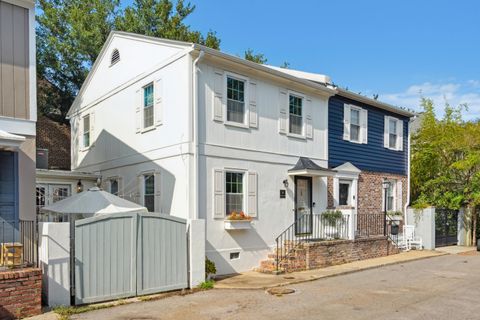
x: 197, y: 252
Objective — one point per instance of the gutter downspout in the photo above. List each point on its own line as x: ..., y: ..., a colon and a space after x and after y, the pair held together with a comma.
x: 408, y: 169
x: 195, y: 134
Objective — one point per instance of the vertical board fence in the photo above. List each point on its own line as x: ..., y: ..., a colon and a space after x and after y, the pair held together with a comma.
x: 124, y: 255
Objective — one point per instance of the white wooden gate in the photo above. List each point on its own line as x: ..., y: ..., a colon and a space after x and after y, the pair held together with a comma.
x: 124, y: 255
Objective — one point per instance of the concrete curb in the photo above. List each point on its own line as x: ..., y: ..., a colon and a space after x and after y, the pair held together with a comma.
x: 313, y: 278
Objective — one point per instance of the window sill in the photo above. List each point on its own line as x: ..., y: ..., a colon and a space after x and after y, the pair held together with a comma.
x: 85, y: 149
x: 148, y: 129
x: 236, y: 124
x: 356, y: 142
x: 296, y: 136
x: 393, y: 149
x: 237, y: 224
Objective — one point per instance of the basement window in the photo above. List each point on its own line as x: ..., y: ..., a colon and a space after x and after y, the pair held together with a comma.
x: 234, y: 255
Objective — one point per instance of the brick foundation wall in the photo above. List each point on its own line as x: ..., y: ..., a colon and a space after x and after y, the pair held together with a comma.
x: 322, y: 254
x: 370, y: 193
x: 20, y: 293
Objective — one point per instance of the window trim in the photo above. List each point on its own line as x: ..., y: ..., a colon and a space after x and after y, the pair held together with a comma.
x: 83, y: 147
x: 149, y: 128
x: 359, y: 109
x: 244, y: 187
x: 246, y: 81
x: 302, y: 136
x: 349, y: 196
x: 393, y: 182
x: 114, y: 178
x: 144, y: 174
x: 397, y: 142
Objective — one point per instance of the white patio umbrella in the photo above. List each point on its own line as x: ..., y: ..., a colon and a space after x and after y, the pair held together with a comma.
x: 93, y: 202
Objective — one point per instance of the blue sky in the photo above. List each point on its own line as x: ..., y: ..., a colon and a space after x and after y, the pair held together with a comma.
x: 393, y: 48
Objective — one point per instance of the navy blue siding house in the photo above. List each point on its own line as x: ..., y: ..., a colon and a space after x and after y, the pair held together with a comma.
x: 368, y: 147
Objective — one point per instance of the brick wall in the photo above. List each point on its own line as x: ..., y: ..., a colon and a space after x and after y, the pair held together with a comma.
x: 55, y: 137
x: 322, y: 254
x: 370, y: 193
x: 20, y: 293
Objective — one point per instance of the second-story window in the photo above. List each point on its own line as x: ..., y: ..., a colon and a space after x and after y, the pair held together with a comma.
x: 148, y: 106
x: 355, y: 125
x: 235, y: 100
x: 295, y: 115
x: 392, y: 134
x: 86, y: 131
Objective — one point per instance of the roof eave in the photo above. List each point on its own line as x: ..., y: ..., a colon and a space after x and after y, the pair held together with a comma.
x: 375, y: 103
x: 324, y: 89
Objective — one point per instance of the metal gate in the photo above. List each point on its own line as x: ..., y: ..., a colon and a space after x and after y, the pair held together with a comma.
x: 446, y: 227
x: 124, y: 255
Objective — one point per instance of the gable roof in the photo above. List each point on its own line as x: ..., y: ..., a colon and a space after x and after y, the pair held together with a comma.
x: 318, y: 82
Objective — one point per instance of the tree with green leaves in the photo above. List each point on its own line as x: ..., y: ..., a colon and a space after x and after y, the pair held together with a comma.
x: 70, y: 35
x: 445, y: 165
x: 255, y: 57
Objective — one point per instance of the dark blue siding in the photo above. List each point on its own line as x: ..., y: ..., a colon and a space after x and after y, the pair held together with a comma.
x: 372, y: 156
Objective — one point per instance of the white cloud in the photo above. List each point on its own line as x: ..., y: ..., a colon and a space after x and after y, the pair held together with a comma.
x: 454, y: 93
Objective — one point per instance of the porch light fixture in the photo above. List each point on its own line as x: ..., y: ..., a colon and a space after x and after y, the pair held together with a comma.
x: 79, y: 186
x: 285, y: 183
x: 385, y: 184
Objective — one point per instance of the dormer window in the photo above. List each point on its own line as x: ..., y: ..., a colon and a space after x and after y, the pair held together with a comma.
x: 115, y: 57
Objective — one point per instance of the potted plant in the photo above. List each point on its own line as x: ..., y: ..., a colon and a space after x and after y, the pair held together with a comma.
x: 237, y: 221
x: 334, y: 221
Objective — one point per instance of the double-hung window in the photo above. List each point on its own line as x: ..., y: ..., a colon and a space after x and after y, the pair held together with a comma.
x: 390, y: 193
x: 392, y: 133
x: 234, y: 192
x: 86, y: 131
x: 355, y: 125
x: 235, y: 100
x: 295, y: 118
x: 148, y: 106
x: 149, y: 192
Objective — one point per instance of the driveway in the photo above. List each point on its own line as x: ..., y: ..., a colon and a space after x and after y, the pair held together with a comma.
x: 446, y: 287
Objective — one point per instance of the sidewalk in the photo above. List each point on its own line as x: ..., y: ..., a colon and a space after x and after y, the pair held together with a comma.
x: 257, y: 280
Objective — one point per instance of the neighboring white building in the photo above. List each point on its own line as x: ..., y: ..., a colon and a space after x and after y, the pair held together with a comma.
x: 193, y: 132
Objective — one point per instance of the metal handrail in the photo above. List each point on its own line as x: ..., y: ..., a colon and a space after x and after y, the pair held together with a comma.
x: 312, y: 227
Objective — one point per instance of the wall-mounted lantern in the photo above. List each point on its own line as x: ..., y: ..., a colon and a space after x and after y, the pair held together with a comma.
x: 79, y: 186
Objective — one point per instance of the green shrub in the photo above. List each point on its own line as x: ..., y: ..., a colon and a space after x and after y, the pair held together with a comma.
x: 210, y: 268
x: 208, y: 284
x: 332, y: 216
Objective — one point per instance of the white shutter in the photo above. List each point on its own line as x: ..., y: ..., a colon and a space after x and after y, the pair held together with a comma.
x: 399, y: 200
x: 120, y: 187
x: 308, y: 119
x: 92, y: 127
x: 252, y: 194
x: 400, y: 135
x: 138, y: 110
x: 385, y: 131
x: 107, y: 185
x: 158, y: 108
x: 364, y: 125
x: 253, y: 114
x: 139, y: 195
x: 218, y: 194
x: 346, y: 122
x: 157, y: 190
x: 218, y: 95
x: 283, y: 107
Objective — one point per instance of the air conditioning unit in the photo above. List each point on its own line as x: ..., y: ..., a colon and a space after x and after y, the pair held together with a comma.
x: 42, y: 158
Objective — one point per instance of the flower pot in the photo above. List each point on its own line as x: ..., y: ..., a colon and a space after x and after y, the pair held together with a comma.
x: 237, y: 224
